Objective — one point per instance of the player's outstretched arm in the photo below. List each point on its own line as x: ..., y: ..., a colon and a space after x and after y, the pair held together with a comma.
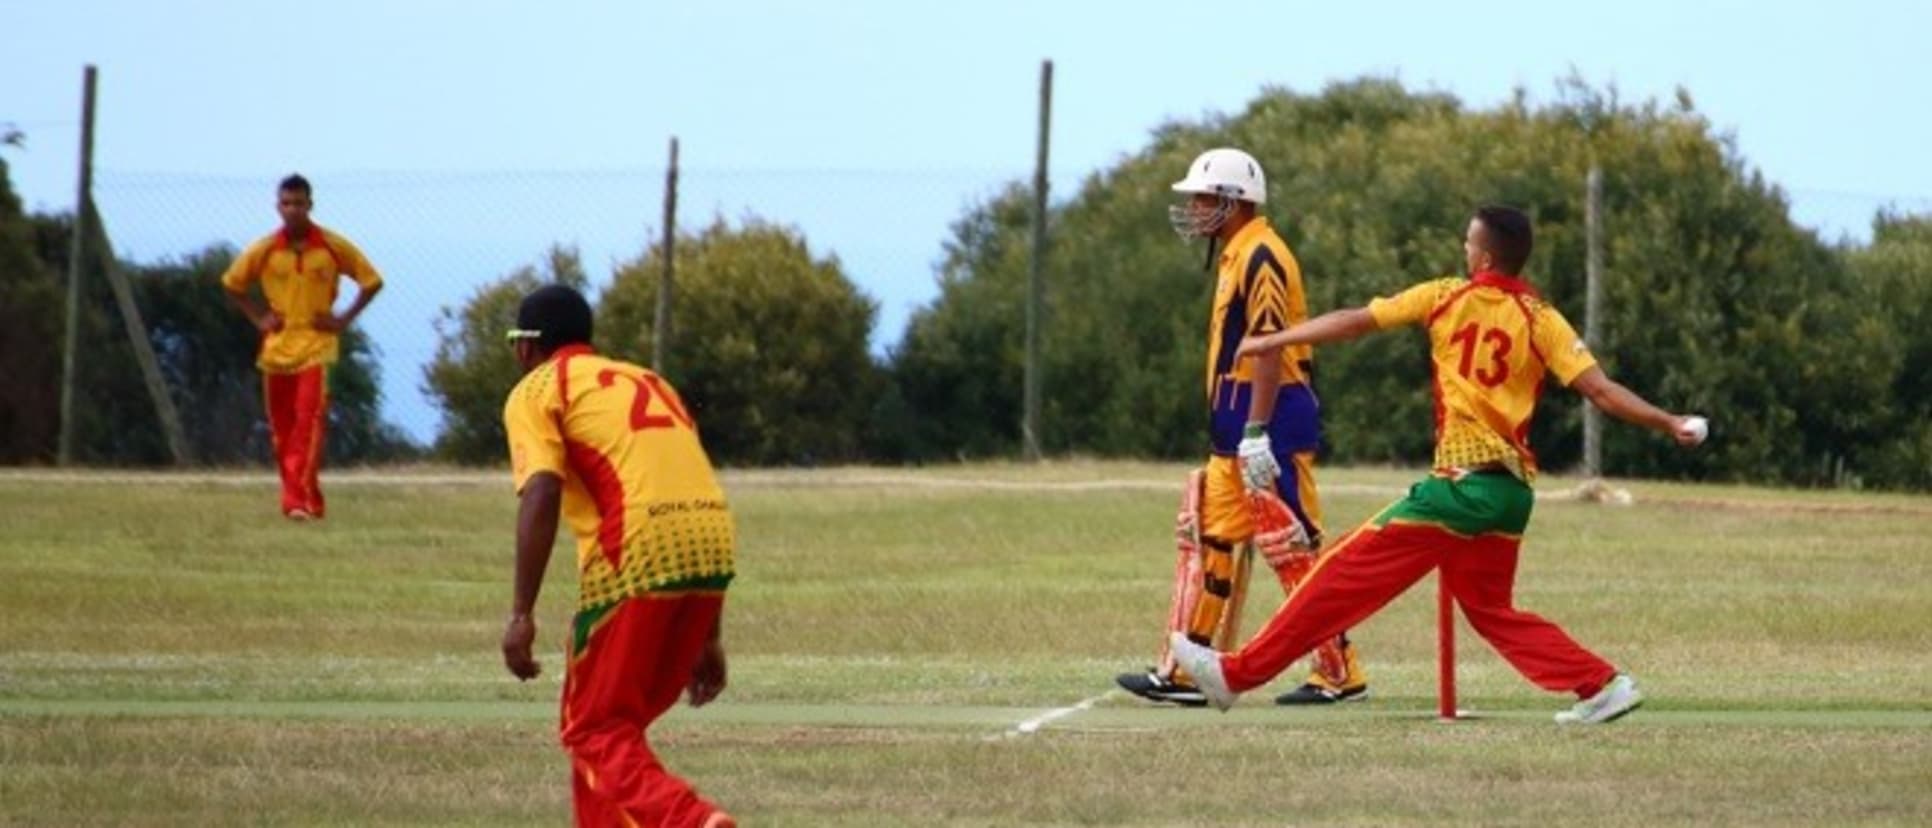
x: 1624, y: 404
x: 1333, y: 326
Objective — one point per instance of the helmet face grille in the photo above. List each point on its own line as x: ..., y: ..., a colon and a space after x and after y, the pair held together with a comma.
x: 1192, y: 223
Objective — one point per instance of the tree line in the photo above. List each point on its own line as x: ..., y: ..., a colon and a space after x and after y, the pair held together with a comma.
x: 1810, y: 356
x: 1814, y: 358
x: 205, y: 349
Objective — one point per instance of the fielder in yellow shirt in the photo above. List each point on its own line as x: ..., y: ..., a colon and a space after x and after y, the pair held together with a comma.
x: 298, y: 269
x: 1493, y: 341
x: 610, y: 448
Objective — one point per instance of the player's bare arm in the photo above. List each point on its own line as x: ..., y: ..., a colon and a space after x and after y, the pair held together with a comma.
x: 708, y: 678
x: 264, y: 319
x: 537, y: 511
x: 1612, y: 398
x: 334, y: 323
x: 1333, y: 326
x: 1267, y: 381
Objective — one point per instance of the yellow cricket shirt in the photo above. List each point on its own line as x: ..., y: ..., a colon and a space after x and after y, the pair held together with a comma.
x: 638, y: 491
x: 1258, y: 291
x: 1491, y: 341
x: 298, y: 279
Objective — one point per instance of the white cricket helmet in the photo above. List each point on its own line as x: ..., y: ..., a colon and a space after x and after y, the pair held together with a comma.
x: 1229, y: 173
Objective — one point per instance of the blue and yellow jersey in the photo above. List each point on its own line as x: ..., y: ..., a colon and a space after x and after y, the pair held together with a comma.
x: 299, y: 278
x: 639, y: 491
x: 1492, y: 341
x: 1258, y: 291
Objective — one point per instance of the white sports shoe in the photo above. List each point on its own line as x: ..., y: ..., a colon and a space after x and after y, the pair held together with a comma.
x: 1205, y: 666
x: 1618, y: 697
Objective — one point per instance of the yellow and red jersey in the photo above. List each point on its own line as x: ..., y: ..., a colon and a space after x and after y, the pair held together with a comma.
x: 1258, y: 291
x: 639, y: 491
x: 298, y: 278
x: 1491, y: 342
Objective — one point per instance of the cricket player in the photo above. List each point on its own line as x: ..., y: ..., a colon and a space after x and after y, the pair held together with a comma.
x: 1264, y: 430
x: 609, y: 447
x: 1492, y: 341
x: 299, y: 268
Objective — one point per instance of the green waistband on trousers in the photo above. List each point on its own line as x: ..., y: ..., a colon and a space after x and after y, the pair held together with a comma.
x: 1472, y: 504
x: 585, y: 621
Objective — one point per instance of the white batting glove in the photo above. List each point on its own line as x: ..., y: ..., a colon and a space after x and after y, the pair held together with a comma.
x: 1259, y: 470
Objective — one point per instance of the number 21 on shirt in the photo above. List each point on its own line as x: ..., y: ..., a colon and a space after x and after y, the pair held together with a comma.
x: 649, y: 388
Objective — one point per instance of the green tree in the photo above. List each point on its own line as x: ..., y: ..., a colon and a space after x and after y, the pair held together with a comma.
x: 962, y: 354
x: 1715, y: 300
x: 1894, y: 276
x: 207, y: 356
x: 30, y: 336
x: 474, y: 367
x: 204, y: 349
x: 768, y: 348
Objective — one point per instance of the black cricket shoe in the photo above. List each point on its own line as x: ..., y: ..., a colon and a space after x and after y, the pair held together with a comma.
x: 1314, y: 694
x: 1157, y: 688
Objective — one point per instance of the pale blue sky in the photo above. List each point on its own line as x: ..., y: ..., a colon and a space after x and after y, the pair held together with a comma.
x: 454, y: 139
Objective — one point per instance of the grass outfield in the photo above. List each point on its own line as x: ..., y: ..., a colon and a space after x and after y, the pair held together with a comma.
x: 937, y: 647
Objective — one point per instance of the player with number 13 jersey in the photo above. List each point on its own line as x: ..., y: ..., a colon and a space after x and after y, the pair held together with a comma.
x: 1491, y: 337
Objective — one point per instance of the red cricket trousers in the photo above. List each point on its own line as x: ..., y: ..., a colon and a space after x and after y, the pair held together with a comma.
x: 625, y: 672
x: 1374, y: 564
x: 298, y: 415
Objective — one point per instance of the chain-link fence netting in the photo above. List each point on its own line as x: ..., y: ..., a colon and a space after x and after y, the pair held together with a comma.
x: 438, y: 236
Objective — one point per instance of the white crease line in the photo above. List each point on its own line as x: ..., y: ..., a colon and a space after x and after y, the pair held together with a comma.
x: 1034, y: 724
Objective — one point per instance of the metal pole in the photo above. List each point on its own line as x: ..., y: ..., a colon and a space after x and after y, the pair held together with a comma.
x: 1592, y: 313
x: 77, y: 255
x: 1035, y: 288
x: 661, y: 326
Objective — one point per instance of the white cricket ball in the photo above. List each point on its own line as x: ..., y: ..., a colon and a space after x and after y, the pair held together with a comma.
x: 1698, y: 428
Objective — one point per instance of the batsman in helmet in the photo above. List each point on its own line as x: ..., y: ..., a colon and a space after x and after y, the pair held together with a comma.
x: 1257, y: 490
